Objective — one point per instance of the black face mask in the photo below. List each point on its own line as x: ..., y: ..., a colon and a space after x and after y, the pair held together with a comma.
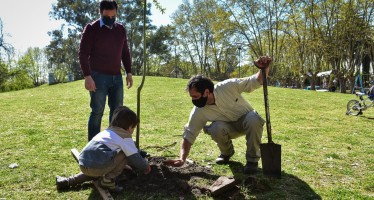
x: 201, y: 102
x: 108, y: 21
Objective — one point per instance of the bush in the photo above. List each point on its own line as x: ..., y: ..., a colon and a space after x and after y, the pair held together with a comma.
x: 17, y: 80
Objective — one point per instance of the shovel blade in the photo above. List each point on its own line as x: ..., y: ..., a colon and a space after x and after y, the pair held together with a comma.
x: 271, y: 159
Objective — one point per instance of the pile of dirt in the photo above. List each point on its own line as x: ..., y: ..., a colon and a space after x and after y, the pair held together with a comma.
x: 188, y: 180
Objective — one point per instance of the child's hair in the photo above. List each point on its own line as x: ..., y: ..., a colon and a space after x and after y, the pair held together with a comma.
x: 124, y: 117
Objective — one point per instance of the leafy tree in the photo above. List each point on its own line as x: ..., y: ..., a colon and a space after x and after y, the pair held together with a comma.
x: 76, y: 13
x: 161, y: 41
x: 62, y: 51
x: 79, y: 13
x: 33, y: 63
x: 160, y: 45
x: 3, y: 73
x: 205, y: 36
x: 304, y: 37
x: 132, y: 16
x: 16, y: 79
x: 58, y: 55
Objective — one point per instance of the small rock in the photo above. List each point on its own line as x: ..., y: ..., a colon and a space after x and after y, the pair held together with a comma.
x: 13, y: 165
x: 221, y: 185
x: 190, y: 161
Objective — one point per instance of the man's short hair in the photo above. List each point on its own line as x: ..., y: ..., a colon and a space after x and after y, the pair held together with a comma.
x: 200, y: 83
x: 108, y: 5
x: 124, y: 117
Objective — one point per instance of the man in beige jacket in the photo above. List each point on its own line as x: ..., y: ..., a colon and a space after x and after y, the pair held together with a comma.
x: 231, y: 116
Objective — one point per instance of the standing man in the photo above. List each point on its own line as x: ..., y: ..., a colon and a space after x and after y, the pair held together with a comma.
x: 231, y: 116
x: 103, y: 46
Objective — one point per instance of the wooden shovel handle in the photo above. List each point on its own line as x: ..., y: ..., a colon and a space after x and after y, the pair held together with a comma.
x: 265, y: 86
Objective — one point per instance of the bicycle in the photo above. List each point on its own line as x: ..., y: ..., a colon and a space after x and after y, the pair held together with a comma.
x: 355, y: 107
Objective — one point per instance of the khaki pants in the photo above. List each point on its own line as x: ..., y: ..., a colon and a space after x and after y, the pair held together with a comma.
x: 111, y: 171
x: 250, y: 125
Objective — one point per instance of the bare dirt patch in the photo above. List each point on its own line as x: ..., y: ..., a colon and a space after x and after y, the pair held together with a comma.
x: 186, y: 182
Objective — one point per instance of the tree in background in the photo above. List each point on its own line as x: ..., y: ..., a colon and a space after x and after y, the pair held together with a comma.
x: 131, y: 14
x: 7, y: 75
x: 206, y: 37
x: 220, y: 38
x: 5, y: 48
x: 62, y: 52
x: 161, y: 44
x: 33, y: 62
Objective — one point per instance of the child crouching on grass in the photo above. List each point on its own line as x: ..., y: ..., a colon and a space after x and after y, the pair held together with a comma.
x: 108, y: 153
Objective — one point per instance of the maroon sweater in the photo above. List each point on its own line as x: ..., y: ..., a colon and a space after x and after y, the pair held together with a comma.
x: 102, y: 49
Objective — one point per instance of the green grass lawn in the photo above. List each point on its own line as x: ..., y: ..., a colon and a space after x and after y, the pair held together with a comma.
x: 325, y: 154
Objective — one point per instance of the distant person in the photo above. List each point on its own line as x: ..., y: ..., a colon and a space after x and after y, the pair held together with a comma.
x: 230, y: 113
x: 371, y: 91
x: 324, y: 83
x: 103, y: 46
x: 108, y: 153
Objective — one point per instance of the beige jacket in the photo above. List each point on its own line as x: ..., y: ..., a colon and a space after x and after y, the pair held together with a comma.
x: 229, y: 105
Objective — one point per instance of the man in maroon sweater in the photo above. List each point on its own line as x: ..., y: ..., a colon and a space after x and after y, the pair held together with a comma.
x: 103, y: 46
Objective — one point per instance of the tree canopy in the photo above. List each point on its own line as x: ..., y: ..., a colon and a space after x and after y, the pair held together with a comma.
x: 221, y: 38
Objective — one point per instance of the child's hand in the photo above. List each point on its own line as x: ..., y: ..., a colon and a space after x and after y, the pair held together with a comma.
x: 147, y: 170
x: 144, y: 154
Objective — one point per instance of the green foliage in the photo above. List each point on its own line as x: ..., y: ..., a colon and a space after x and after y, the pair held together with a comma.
x: 132, y: 16
x: 204, y: 37
x: 325, y: 153
x: 14, y: 78
x: 72, y: 12
x: 3, y: 73
x: 32, y: 63
x: 64, y: 51
x: 17, y: 79
x: 62, y: 55
x: 160, y: 42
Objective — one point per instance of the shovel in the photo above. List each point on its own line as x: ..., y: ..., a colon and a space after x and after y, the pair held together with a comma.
x: 270, y: 152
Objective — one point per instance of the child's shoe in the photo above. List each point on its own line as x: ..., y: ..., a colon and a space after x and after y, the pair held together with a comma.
x: 62, y: 183
x: 110, y: 184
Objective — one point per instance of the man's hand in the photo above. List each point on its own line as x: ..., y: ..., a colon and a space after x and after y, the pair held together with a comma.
x: 129, y: 80
x: 174, y: 162
x: 263, y: 62
x: 89, y: 84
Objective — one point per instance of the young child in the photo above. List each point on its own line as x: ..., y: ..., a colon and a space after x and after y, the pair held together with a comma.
x: 108, y: 153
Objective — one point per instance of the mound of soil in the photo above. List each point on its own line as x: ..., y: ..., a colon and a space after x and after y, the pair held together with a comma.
x: 188, y: 180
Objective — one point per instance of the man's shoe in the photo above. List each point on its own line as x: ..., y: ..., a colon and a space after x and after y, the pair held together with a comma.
x: 62, y: 183
x: 224, y: 159
x: 251, y: 168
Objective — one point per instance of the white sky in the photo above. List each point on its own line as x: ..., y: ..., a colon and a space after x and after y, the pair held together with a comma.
x: 27, y: 21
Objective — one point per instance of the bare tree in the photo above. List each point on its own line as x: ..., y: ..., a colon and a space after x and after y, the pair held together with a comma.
x: 5, y: 48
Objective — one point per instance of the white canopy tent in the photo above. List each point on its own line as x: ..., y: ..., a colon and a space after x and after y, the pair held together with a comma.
x: 322, y: 74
